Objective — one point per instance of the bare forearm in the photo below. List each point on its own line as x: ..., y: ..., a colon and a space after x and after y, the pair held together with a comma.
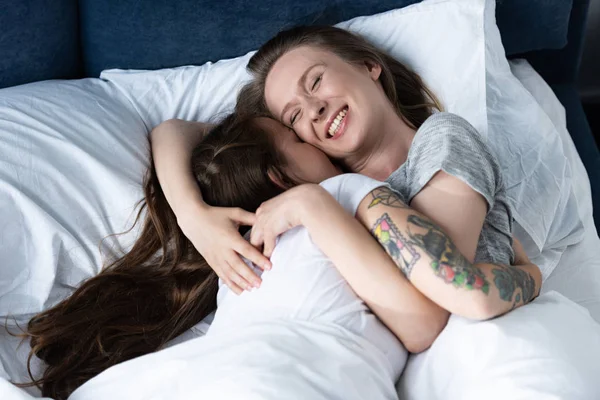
x: 431, y: 261
x: 173, y: 142
x: 371, y: 273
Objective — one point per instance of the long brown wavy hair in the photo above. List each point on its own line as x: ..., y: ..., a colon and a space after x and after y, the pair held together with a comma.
x: 162, y: 286
x: 405, y: 89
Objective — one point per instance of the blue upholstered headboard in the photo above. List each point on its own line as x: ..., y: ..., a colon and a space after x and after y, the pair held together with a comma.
x: 46, y: 39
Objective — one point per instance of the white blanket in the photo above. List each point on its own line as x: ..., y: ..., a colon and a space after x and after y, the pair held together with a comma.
x: 546, y: 350
x: 283, y: 360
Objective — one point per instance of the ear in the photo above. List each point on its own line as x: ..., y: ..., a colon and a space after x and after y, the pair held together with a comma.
x: 374, y: 69
x: 275, y: 177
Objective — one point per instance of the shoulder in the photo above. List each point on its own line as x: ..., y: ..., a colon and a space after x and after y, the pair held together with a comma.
x: 445, y: 126
x: 448, y: 143
x: 350, y: 189
x: 446, y: 137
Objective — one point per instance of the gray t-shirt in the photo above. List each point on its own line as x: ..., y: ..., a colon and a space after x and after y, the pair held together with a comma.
x: 449, y: 143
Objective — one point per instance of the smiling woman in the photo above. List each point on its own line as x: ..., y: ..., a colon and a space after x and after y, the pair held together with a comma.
x: 340, y: 84
x: 320, y: 107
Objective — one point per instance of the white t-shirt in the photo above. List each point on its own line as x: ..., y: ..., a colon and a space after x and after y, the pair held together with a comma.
x: 305, y: 285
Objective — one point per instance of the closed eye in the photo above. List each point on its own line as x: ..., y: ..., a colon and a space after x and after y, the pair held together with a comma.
x: 316, y: 83
x: 294, y: 117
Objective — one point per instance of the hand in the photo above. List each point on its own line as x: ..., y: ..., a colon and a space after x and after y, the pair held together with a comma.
x: 281, y: 214
x: 520, y: 254
x: 523, y: 261
x: 214, y: 233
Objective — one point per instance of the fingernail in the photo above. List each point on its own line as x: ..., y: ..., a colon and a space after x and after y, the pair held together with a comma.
x: 257, y: 284
x: 268, y: 266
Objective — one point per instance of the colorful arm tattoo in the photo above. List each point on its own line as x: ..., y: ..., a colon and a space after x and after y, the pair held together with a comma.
x: 448, y: 262
x: 509, y: 280
x: 386, y: 197
x: 396, y: 245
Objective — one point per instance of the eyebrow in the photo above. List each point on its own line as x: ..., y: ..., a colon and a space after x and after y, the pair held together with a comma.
x: 301, y: 83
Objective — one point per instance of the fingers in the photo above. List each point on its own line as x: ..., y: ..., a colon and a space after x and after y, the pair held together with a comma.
x: 243, y: 217
x: 252, y: 254
x: 256, y: 237
x: 262, y: 237
x: 235, y: 281
x: 243, y: 275
x: 269, y: 245
x: 516, y: 242
x: 234, y: 287
x: 520, y: 253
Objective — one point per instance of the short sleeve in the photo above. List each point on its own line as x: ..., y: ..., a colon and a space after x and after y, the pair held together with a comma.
x: 350, y: 189
x: 447, y: 142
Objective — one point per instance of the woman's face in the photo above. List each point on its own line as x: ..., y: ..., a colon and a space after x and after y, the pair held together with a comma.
x: 328, y: 102
x: 304, y: 162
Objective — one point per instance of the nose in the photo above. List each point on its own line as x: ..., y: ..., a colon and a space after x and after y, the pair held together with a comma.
x: 318, y: 110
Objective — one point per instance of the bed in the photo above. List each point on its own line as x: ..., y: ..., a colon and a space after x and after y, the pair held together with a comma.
x: 72, y: 152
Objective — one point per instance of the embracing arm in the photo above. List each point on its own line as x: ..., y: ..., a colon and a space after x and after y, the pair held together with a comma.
x: 212, y: 230
x: 172, y: 144
x: 430, y: 259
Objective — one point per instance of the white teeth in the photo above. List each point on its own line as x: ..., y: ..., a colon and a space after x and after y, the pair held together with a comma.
x: 335, y: 125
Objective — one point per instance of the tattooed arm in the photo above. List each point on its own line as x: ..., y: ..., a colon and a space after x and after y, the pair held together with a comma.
x: 430, y: 260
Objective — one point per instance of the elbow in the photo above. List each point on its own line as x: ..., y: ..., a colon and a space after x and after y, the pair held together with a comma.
x: 427, y: 332
x: 418, y: 346
x: 480, y: 311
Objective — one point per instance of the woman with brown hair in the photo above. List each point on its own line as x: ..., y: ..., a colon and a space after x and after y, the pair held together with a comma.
x: 326, y: 270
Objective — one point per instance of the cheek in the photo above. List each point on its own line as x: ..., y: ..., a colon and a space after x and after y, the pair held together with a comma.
x: 306, y: 166
x: 304, y: 131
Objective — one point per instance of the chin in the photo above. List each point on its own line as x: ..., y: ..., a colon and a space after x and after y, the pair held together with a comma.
x: 352, y: 145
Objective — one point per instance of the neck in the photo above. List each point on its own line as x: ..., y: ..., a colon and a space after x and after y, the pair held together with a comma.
x: 388, y: 151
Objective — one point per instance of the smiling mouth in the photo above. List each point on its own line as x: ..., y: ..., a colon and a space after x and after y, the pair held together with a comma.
x: 337, y: 123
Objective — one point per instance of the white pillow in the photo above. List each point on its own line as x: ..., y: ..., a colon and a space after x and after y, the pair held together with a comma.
x: 73, y: 154
x: 442, y: 40
x: 537, y: 173
x: 548, y: 349
x: 73, y: 157
x: 545, y: 97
